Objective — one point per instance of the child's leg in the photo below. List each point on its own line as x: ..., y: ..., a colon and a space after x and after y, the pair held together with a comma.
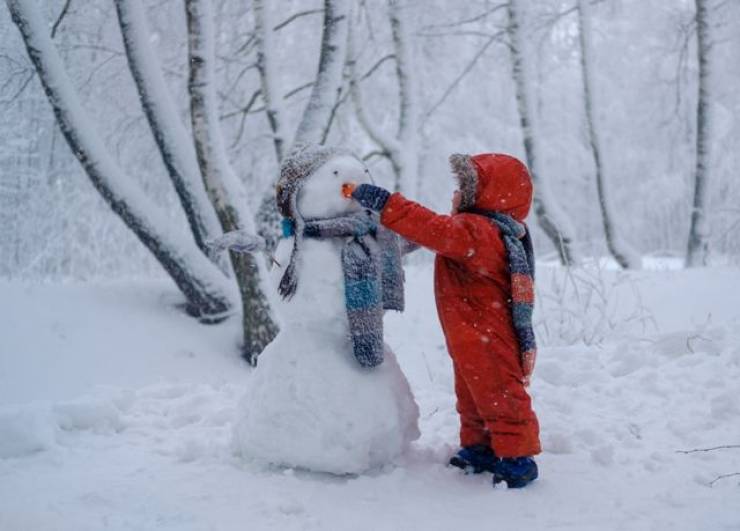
x: 493, y: 380
x: 472, y: 428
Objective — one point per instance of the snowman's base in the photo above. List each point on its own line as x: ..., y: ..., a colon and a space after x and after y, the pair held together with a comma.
x: 311, y: 406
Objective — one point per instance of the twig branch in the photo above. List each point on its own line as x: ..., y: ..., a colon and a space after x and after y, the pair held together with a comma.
x: 462, y: 75
x: 723, y: 476
x: 60, y: 18
x: 470, y: 20
x: 376, y: 153
x: 298, y: 89
x: 694, y: 450
x: 377, y: 65
x: 294, y: 16
x: 245, y: 109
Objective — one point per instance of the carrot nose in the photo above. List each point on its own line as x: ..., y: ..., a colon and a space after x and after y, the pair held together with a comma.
x: 347, y: 189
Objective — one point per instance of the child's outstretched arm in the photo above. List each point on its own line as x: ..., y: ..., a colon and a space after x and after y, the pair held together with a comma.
x: 458, y: 237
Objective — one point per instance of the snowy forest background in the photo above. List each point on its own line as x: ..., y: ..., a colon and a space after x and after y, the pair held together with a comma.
x: 54, y: 225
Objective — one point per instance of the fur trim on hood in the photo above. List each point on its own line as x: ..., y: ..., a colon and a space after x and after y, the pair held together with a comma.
x: 467, y: 178
x: 494, y: 182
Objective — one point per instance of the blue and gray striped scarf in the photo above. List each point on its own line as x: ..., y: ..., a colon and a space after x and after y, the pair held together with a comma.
x: 373, y: 276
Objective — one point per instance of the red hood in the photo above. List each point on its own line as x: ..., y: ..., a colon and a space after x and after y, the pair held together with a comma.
x: 493, y: 181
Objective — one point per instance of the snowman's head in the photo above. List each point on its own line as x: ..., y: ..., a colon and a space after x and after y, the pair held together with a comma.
x: 311, y: 180
x: 321, y: 194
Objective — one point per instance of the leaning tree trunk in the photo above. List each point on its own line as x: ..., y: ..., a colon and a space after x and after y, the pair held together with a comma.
x: 401, y: 150
x: 619, y: 249
x: 263, y: 34
x: 552, y: 221
x: 316, y: 119
x: 698, y: 245
x: 224, y: 190
x: 408, y: 116
x: 173, y: 141
x: 205, y: 288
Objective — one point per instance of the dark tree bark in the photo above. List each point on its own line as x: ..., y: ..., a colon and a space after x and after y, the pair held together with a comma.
x: 173, y: 141
x: 698, y: 245
x: 224, y: 190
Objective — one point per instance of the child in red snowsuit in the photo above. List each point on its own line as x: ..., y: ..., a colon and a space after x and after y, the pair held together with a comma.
x: 484, y: 293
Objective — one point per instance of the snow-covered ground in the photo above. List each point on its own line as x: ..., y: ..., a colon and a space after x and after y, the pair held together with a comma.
x: 116, y: 413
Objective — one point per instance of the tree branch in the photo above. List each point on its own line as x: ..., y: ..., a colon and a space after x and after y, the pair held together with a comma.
x: 694, y: 450
x: 492, y: 38
x: 295, y: 16
x: 60, y: 18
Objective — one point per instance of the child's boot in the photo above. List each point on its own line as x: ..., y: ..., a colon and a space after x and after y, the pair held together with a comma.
x: 474, y: 459
x: 517, y: 472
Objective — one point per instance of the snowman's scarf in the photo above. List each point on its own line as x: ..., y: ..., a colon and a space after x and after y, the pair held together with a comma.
x: 373, y: 277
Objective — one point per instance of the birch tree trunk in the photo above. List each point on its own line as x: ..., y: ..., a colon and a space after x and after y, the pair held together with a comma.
x: 315, y: 122
x: 698, y: 245
x: 316, y: 118
x: 268, y: 79
x: 550, y: 218
x: 402, y: 150
x: 224, y: 190
x: 205, y: 288
x: 619, y: 249
x: 174, y: 143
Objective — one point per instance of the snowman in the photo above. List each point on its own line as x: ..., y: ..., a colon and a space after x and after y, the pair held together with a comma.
x: 328, y: 395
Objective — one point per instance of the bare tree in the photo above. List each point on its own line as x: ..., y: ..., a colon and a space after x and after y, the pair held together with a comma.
x: 550, y: 218
x: 698, y: 244
x: 316, y: 119
x: 263, y: 32
x: 317, y: 115
x: 204, y: 286
x: 224, y: 190
x: 402, y: 149
x: 173, y: 141
x: 619, y: 249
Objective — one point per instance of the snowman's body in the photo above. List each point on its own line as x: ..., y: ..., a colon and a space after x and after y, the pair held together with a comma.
x: 310, y: 404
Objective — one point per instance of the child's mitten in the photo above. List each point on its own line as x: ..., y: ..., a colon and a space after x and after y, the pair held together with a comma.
x: 371, y: 196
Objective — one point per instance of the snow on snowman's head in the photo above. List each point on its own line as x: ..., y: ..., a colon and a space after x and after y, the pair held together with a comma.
x: 311, y: 179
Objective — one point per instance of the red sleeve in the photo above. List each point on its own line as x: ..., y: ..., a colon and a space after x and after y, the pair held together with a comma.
x: 463, y: 237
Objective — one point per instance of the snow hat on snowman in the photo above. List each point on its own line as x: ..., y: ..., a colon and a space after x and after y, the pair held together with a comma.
x: 371, y: 256
x: 297, y: 167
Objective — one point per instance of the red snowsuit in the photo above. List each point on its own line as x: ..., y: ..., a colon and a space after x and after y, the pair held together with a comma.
x: 472, y: 288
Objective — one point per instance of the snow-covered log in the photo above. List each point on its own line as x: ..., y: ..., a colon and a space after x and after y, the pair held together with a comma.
x: 550, y: 217
x: 619, y: 249
x: 206, y: 289
x: 224, y: 189
x: 314, y: 125
x: 698, y: 245
x: 173, y: 141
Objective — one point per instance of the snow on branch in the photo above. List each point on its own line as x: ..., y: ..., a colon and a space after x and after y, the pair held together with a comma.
x: 206, y: 289
x: 318, y: 111
x: 224, y: 190
x: 173, y: 140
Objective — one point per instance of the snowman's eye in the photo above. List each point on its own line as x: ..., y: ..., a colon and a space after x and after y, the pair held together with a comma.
x: 336, y: 172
